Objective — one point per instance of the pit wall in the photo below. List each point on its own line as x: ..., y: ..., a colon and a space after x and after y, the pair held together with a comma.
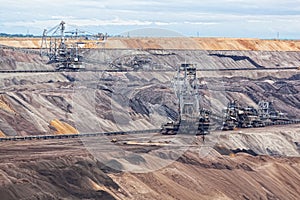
x: 170, y: 43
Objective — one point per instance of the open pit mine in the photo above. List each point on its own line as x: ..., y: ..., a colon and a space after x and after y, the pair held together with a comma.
x: 149, y: 118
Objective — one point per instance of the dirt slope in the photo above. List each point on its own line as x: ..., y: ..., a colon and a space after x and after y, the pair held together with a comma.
x: 97, y: 102
x: 62, y: 127
x: 244, y: 164
x: 242, y: 177
x: 64, y: 169
x: 173, y: 43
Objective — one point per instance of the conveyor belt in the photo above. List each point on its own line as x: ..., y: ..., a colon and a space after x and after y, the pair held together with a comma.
x: 47, y: 137
x: 84, y: 135
x: 127, y: 70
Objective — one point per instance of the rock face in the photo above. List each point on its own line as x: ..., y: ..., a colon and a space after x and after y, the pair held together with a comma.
x: 172, y: 43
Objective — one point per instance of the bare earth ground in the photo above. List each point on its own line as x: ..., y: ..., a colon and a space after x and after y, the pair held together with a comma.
x: 58, y: 103
x: 172, y: 43
x: 65, y: 169
x: 244, y: 164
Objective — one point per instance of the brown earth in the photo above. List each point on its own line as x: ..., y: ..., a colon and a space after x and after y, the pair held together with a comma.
x: 65, y: 169
x: 62, y: 127
x: 244, y: 164
x: 2, y: 134
x: 172, y: 43
x: 95, y: 102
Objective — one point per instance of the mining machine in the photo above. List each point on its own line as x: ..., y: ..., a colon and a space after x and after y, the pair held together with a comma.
x: 236, y: 116
x: 268, y: 113
x: 231, y: 119
x: 192, y: 119
x: 59, y: 51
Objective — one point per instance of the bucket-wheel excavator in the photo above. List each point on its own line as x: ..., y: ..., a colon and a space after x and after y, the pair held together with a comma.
x: 59, y: 51
x: 192, y: 119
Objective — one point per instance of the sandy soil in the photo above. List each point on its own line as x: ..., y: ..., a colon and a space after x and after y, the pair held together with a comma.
x: 258, y: 163
x: 173, y: 43
x: 68, y: 169
x: 68, y: 102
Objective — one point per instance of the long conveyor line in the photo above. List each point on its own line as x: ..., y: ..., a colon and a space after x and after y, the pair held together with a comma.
x: 46, y: 137
x: 38, y: 49
x: 158, y: 70
x: 84, y: 135
x: 295, y: 121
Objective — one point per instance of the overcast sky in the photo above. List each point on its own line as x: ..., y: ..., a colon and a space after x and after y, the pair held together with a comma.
x: 206, y: 18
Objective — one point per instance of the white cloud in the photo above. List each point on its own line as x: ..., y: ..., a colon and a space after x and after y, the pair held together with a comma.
x: 62, y: 17
x: 221, y: 16
x: 200, y: 23
x: 80, y: 22
x: 165, y: 23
